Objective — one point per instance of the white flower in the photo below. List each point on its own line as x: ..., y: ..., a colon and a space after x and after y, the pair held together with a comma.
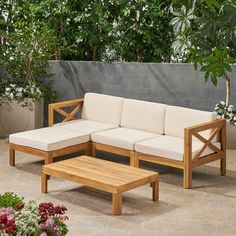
x: 20, y: 89
x: 19, y: 94
x: 11, y: 95
x: 12, y: 85
x: 7, y: 89
x: 222, y: 103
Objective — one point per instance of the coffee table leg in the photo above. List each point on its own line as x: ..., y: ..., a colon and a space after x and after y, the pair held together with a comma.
x: 155, y: 191
x: 116, y: 203
x: 44, y: 182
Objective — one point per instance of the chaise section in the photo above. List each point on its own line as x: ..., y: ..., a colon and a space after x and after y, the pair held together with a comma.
x: 85, y: 126
x: 48, y: 142
x: 170, y: 147
x: 121, y: 137
x: 49, y: 139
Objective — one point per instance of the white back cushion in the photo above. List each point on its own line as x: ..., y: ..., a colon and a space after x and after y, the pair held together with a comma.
x: 179, y: 118
x: 145, y: 116
x: 102, y: 108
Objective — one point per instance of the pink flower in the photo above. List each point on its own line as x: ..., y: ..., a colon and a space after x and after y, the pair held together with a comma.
x: 43, y: 234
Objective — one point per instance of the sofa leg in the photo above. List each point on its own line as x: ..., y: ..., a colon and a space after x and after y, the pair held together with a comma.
x: 187, y: 178
x: 93, y: 150
x: 48, y: 158
x: 223, y: 166
x: 12, y: 156
x: 134, y: 159
x: 88, y: 151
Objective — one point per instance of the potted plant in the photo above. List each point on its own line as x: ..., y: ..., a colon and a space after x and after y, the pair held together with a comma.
x: 25, y: 49
x: 205, y: 35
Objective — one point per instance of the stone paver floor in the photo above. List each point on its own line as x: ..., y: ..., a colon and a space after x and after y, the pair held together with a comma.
x: 209, y: 209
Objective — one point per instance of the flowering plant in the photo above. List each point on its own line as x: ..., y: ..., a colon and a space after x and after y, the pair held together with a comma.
x: 226, y: 112
x: 25, y: 48
x: 20, y: 218
x: 20, y: 93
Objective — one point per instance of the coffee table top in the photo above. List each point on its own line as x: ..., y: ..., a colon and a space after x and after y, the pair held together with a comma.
x: 105, y: 175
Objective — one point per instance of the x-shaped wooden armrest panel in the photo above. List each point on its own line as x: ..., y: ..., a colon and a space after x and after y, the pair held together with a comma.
x: 57, y: 108
x: 215, y: 126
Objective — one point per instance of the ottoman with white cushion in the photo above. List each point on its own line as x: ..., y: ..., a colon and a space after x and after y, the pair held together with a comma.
x: 48, y: 142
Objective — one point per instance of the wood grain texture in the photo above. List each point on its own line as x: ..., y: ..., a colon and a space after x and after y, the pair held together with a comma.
x: 104, y: 175
x: 160, y: 160
x: 223, y: 148
x: 56, y: 107
x: 117, y: 203
x: 12, y: 156
x: 187, y: 180
x: 47, y: 155
x: 155, y: 191
x: 111, y: 149
x: 44, y: 182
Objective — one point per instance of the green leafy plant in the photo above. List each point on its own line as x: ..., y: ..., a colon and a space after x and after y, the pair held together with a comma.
x: 10, y: 199
x: 206, y: 35
x: 110, y: 30
x: 142, y: 31
x: 24, y: 54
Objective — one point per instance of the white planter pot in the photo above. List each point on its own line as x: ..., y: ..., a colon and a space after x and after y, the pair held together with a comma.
x: 231, y: 136
x: 15, y: 118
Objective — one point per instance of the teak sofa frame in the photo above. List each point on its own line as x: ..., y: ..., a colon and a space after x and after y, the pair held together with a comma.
x: 217, y: 127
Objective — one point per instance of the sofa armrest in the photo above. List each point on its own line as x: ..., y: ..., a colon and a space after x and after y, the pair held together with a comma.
x: 56, y: 107
x: 217, y: 126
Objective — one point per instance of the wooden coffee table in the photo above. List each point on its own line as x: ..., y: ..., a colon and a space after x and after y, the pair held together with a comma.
x: 104, y: 175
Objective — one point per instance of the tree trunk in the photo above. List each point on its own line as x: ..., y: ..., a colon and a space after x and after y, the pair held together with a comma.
x: 227, y: 96
x: 138, y: 55
x: 58, y: 54
x: 94, y: 48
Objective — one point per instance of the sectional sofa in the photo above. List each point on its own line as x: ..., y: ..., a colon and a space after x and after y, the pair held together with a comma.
x: 174, y: 136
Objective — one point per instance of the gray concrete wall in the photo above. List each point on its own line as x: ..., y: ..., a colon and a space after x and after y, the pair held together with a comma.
x: 174, y: 84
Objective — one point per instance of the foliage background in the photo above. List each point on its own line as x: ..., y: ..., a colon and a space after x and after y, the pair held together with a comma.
x: 199, y: 31
x: 111, y: 30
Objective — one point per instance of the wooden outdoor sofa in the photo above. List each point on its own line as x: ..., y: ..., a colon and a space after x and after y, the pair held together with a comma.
x: 174, y: 136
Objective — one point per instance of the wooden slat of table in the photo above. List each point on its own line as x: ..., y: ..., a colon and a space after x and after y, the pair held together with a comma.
x: 104, y: 175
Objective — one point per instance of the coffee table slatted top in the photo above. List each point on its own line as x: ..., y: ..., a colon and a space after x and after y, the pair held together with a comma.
x: 105, y: 175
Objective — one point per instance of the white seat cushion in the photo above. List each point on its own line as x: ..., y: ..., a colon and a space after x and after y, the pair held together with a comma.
x: 145, y: 116
x: 170, y: 147
x: 102, y: 108
x: 179, y: 118
x: 121, y: 137
x: 49, y: 139
x: 85, y: 126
